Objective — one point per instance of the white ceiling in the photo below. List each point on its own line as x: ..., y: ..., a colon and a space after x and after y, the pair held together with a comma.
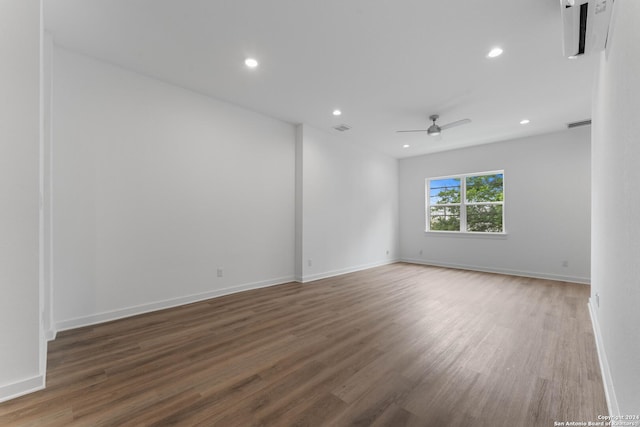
x: 387, y: 64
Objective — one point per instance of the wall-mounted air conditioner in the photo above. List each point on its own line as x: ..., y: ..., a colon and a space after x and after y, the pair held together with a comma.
x: 585, y: 25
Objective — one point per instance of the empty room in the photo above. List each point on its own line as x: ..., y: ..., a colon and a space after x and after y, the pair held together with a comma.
x: 297, y: 213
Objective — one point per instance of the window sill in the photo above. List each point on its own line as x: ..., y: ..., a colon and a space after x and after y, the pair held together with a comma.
x: 459, y: 234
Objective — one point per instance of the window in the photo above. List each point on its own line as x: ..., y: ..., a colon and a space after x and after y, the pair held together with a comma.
x: 472, y: 203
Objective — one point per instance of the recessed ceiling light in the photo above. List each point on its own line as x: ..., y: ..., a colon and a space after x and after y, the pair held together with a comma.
x: 525, y: 121
x: 572, y: 57
x: 495, y: 52
x: 406, y: 146
x: 251, y: 63
x: 337, y: 112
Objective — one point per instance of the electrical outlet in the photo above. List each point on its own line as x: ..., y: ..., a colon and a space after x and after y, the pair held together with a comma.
x: 565, y: 263
x: 597, y: 300
x: 220, y: 272
x: 420, y: 252
x: 387, y: 251
x: 309, y: 263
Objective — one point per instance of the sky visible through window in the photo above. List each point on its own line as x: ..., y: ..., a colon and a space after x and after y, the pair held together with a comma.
x: 440, y: 187
x: 471, y: 203
x: 447, y: 190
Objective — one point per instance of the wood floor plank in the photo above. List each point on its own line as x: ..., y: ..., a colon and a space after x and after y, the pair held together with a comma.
x: 395, y: 415
x: 389, y: 389
x: 399, y: 345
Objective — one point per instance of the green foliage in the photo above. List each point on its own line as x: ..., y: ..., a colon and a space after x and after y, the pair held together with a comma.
x: 485, y: 188
x: 451, y: 195
x: 480, y: 218
x: 445, y: 218
x: 484, y: 218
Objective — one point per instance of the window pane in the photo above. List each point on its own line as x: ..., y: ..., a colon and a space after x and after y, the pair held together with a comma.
x: 444, y: 191
x: 485, y: 188
x: 445, y: 218
x: 484, y: 218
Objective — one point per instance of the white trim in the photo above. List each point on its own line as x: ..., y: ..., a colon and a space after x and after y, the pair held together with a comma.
x: 460, y: 175
x: 50, y: 333
x: 473, y: 234
x: 607, y: 379
x: 108, y: 316
x: 20, y: 388
x: 42, y: 215
x: 333, y: 273
x: 532, y: 274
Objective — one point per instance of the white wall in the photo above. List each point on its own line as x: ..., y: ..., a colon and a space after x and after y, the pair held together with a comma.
x: 348, y: 215
x: 616, y: 209
x: 155, y: 188
x: 19, y: 194
x: 547, y: 207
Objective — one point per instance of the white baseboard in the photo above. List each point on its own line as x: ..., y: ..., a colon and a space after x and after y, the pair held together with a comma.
x: 20, y: 388
x: 535, y: 275
x: 161, y: 305
x: 339, y: 272
x: 609, y: 391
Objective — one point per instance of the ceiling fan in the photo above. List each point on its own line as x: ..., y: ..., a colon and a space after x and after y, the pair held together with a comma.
x: 434, y: 129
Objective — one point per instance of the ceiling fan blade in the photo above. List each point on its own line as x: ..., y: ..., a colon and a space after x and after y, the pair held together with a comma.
x: 416, y: 130
x: 456, y: 123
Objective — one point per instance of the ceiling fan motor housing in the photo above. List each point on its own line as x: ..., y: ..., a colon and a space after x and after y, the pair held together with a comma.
x: 434, y: 129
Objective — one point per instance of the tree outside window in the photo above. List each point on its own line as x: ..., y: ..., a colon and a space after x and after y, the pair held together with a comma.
x: 470, y: 203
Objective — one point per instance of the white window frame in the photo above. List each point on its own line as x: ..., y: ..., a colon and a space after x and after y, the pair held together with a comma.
x: 463, y: 204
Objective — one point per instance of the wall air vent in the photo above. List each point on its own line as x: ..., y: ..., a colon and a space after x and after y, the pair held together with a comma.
x: 578, y: 124
x: 342, y: 127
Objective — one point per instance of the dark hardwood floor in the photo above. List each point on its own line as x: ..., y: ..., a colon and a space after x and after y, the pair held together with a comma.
x: 400, y: 345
